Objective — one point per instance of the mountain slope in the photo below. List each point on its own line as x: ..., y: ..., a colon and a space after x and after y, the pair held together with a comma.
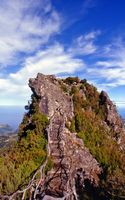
x: 70, y: 145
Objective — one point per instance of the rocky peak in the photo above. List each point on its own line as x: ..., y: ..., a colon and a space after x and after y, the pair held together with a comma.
x: 111, y: 115
x: 51, y: 97
x: 72, y: 161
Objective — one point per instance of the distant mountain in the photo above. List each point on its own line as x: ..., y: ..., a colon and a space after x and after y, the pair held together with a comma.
x: 7, y: 141
x: 5, y: 130
x: 7, y: 135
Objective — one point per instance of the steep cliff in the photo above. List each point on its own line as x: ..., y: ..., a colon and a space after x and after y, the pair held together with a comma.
x: 70, y: 145
x: 112, y: 118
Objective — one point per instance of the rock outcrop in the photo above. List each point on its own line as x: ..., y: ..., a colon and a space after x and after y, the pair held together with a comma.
x: 72, y: 161
x: 113, y: 119
x: 111, y: 115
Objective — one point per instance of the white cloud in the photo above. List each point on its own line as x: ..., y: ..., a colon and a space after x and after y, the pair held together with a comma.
x: 84, y: 44
x: 24, y: 26
x: 111, y: 69
x: 53, y: 60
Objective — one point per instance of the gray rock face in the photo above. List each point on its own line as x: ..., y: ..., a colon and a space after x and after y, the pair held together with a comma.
x: 51, y: 96
x: 72, y: 162
x: 112, y: 118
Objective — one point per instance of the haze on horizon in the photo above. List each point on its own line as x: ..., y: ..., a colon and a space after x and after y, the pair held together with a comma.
x: 82, y: 38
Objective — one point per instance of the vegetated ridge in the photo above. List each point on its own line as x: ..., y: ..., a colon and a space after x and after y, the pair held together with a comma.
x: 71, y: 145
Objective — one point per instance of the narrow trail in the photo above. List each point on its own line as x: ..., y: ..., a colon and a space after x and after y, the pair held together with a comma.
x: 58, y: 181
x: 54, y: 130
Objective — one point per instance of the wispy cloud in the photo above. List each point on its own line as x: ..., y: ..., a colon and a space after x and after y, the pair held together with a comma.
x: 52, y: 60
x: 33, y: 24
x: 110, y: 66
x: 25, y: 26
x: 85, y: 44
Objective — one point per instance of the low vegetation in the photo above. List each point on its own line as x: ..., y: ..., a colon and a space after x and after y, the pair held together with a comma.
x: 89, y: 124
x: 48, y: 166
x: 18, y: 163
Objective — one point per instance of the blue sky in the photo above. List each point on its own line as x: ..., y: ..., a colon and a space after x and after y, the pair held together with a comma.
x: 84, y: 38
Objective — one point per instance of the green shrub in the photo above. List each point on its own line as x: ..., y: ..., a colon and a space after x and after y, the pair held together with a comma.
x: 64, y: 88
x: 71, y: 80
x: 89, y: 125
x: 72, y: 127
x: 49, y: 165
x: 74, y: 90
x: 19, y: 163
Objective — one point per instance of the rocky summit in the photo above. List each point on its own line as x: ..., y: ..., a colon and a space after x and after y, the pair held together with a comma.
x: 70, y: 145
